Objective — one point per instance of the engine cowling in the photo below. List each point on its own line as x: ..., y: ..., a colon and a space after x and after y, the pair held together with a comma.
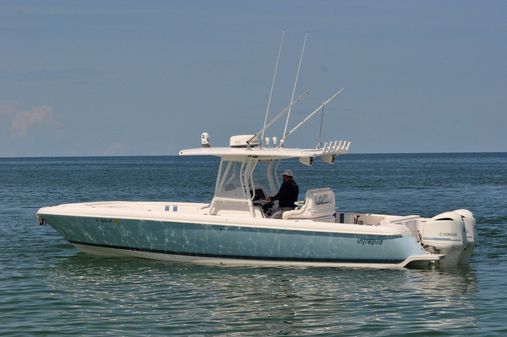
x: 445, y: 234
x: 471, y: 233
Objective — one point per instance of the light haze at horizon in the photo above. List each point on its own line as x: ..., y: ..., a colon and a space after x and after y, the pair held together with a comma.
x: 146, y: 78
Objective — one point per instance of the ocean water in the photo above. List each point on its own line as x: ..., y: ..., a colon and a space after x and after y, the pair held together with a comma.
x: 47, y: 288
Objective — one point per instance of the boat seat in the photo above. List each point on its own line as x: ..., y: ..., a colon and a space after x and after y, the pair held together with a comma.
x: 319, y: 204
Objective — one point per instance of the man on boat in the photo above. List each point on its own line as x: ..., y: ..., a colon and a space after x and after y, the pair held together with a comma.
x: 287, y: 195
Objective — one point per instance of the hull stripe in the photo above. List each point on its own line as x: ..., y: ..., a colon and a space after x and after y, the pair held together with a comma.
x: 246, y: 257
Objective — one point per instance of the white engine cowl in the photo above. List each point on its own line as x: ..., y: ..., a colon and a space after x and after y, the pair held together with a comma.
x: 471, y: 233
x: 445, y: 234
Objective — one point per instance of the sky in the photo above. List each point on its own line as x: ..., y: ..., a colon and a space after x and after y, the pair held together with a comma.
x: 95, y: 78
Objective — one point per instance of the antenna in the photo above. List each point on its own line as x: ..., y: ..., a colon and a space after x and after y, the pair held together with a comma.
x: 320, y: 130
x: 272, y: 85
x: 311, y: 114
x: 294, y: 90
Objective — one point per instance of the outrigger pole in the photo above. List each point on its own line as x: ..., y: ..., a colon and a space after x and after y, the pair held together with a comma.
x: 280, y: 114
x: 311, y: 114
x: 294, y: 90
x: 272, y: 86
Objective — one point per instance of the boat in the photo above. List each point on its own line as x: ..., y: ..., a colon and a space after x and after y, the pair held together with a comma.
x: 237, y: 227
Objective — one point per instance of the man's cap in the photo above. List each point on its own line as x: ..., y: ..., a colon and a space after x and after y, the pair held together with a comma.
x: 288, y: 173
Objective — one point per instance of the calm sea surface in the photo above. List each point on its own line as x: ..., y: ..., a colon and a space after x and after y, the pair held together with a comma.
x: 48, y: 288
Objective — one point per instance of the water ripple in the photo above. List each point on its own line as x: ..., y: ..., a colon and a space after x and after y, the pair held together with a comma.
x: 47, y: 288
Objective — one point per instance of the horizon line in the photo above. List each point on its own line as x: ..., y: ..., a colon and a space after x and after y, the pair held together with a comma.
x: 177, y: 155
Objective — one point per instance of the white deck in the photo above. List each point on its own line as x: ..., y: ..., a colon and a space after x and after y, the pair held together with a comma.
x: 196, y: 213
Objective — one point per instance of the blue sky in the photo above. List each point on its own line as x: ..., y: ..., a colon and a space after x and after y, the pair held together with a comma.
x: 147, y: 77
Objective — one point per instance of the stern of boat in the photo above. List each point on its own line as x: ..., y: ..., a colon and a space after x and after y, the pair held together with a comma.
x: 452, y: 234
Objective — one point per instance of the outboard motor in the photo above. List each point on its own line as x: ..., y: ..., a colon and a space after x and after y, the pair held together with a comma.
x: 445, y: 234
x: 471, y: 233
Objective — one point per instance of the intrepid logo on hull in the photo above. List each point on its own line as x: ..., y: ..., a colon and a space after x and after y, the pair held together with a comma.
x: 370, y: 242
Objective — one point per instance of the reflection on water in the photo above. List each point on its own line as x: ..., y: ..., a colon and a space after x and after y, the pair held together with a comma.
x: 179, y: 298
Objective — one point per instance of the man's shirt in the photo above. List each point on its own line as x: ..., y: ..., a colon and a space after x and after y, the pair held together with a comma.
x: 288, y: 194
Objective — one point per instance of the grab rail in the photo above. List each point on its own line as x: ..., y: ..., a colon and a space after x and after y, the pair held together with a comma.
x: 406, y: 218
